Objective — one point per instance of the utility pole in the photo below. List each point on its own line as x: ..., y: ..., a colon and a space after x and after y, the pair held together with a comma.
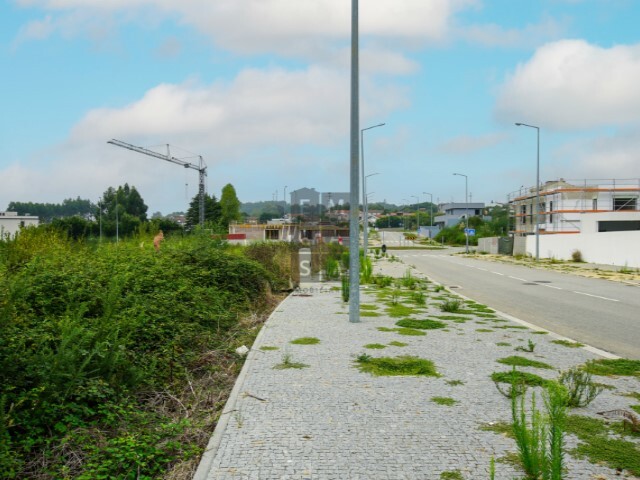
x: 354, y: 224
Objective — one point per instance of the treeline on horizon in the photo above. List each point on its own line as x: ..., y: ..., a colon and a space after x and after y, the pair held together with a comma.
x: 122, y: 212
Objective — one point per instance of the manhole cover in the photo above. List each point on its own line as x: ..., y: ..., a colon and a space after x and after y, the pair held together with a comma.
x: 530, y: 283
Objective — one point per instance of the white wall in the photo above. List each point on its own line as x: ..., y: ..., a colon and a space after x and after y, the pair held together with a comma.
x: 488, y: 245
x: 609, y: 248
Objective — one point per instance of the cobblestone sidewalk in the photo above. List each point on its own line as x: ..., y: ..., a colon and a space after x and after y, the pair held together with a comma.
x: 331, y: 421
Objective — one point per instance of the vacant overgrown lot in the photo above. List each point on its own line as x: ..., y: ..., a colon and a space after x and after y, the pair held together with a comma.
x: 115, y: 360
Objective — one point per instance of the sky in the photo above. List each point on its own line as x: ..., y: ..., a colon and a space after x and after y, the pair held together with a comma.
x: 260, y: 89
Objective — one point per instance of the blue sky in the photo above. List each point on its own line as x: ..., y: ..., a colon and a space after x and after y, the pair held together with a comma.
x: 260, y: 89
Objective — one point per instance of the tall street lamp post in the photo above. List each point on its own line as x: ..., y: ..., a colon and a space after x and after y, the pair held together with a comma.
x: 284, y: 197
x: 537, y: 207
x: 466, y: 217
x: 417, y: 212
x: 364, y: 185
x: 365, y: 217
x: 431, y: 207
x: 354, y: 224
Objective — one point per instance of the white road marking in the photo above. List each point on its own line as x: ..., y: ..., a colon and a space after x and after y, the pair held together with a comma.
x: 498, y: 273
x: 517, y: 278
x: 596, y: 296
x: 483, y: 269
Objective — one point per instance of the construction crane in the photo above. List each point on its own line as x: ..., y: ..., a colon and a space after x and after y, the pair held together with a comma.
x: 201, y: 168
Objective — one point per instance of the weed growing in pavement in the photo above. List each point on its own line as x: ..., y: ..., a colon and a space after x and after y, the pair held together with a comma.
x: 399, y: 310
x: 484, y: 330
x: 447, y: 401
x: 305, y: 341
x: 567, y: 343
x: 451, y: 306
x: 501, y: 428
x: 531, y: 346
x: 622, y: 366
x: 419, y: 298
x: 408, y: 281
x: 344, y: 281
x: 503, y: 344
x: 581, y: 390
x: 517, y: 381
x: 597, y: 445
x: 369, y: 313
x: 387, y: 329
x: 451, y: 475
x: 438, y: 288
x: 539, y: 332
x: 396, y: 366
x: 287, y: 362
x: 412, y: 332
x: 382, y: 281
x: 375, y: 346
x: 420, y: 324
x: 398, y: 344
x: 540, y: 440
x: 266, y: 348
x: 517, y: 361
x: 365, y: 306
x: 453, y: 318
x: 454, y: 383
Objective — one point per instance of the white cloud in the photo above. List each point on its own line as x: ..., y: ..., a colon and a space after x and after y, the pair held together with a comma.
x: 288, y: 27
x: 612, y: 156
x: 572, y: 84
x: 493, y: 35
x: 276, y: 114
x: 464, y: 144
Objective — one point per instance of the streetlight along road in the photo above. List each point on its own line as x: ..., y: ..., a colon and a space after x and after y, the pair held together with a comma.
x: 537, y: 207
x: 466, y: 217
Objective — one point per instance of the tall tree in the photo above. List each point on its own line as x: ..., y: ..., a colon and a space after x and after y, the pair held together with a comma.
x: 124, y: 205
x: 212, y: 211
x: 230, y: 205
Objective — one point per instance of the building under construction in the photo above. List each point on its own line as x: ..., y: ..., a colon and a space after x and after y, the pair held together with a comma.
x: 570, y: 206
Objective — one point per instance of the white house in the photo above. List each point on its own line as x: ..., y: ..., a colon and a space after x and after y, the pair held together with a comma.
x: 11, y: 223
x: 600, y: 218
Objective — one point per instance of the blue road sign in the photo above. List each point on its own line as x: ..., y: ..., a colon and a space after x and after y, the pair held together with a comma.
x: 470, y: 231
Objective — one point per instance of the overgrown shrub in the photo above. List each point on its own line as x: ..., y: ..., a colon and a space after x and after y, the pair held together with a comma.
x: 87, y: 334
x: 576, y: 256
x: 581, y: 390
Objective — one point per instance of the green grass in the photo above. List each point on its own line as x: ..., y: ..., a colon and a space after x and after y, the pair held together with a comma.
x: 599, y: 448
x: 447, y: 401
x: 484, y: 330
x: 539, y: 332
x: 420, y: 324
x: 378, y: 346
x: 501, y: 428
x: 451, y: 475
x: 368, y: 313
x: 364, y: 306
x: 622, y: 366
x: 287, y: 362
x: 516, y: 377
x: 387, y: 329
x: 518, y: 361
x: 397, y: 366
x: 400, y: 310
x: 305, y: 341
x: 266, y: 348
x: 412, y: 332
x: 398, y: 344
x: 503, y: 344
x: 486, y: 315
x: 454, y: 383
x: 452, y: 318
x: 567, y: 343
x: 636, y: 408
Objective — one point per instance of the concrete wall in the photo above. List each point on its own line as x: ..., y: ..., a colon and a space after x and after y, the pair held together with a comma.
x: 488, y: 245
x: 520, y: 245
x: 609, y: 248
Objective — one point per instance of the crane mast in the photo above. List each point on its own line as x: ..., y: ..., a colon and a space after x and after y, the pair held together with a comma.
x: 201, y: 168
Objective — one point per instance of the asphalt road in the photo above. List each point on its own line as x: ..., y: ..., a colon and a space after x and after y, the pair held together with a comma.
x: 597, y: 312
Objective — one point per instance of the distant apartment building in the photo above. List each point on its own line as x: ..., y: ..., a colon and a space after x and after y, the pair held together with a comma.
x: 11, y: 223
x: 577, y: 206
x: 305, y: 196
x: 454, y: 213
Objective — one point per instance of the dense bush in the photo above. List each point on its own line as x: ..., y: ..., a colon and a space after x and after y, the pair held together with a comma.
x: 87, y: 333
